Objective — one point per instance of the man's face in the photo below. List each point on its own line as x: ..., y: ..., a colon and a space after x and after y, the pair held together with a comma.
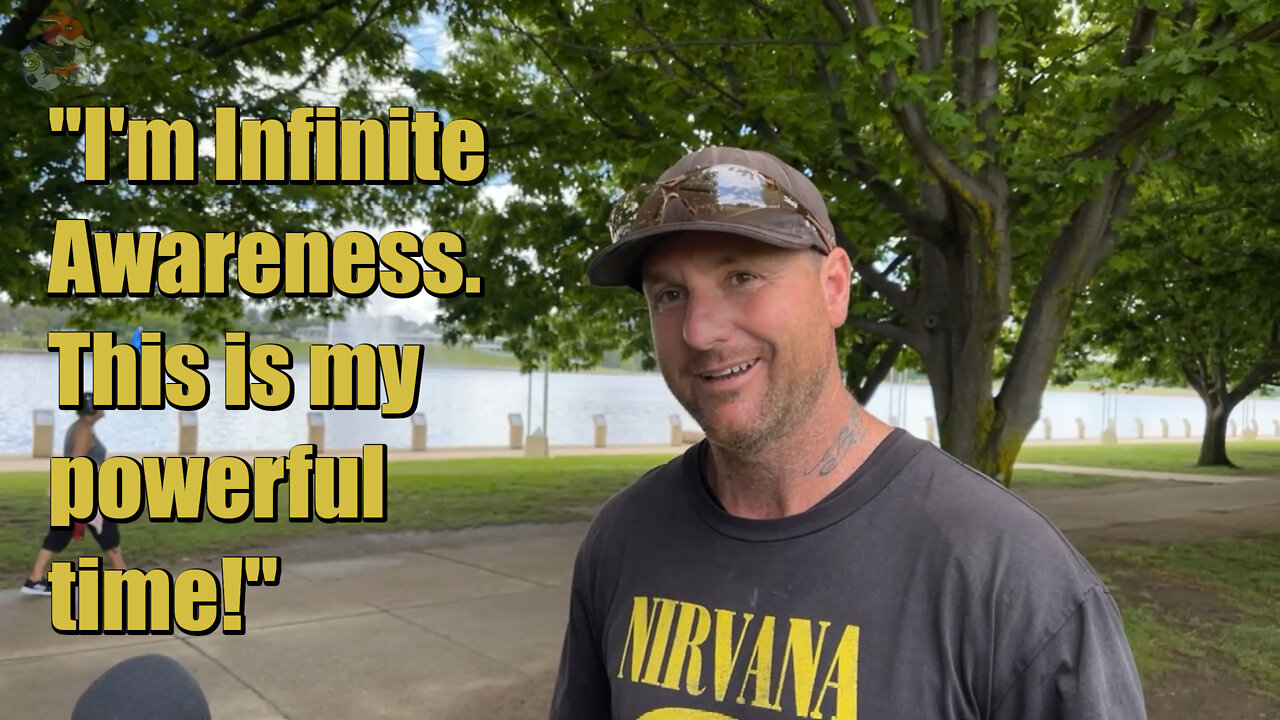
x: 743, y: 331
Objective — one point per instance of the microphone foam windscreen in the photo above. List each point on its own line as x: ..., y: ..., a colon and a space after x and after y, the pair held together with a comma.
x: 146, y: 687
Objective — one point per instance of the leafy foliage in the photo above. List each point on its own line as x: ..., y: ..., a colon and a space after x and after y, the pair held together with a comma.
x: 1191, y: 296
x: 182, y: 60
x: 983, y: 151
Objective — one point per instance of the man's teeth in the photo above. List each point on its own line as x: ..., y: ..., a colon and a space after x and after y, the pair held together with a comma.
x: 735, y: 369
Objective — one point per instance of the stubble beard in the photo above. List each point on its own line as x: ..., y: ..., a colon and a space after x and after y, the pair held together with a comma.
x: 783, y: 410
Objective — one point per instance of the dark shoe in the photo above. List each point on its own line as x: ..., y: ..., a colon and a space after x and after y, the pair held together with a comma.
x: 37, y: 587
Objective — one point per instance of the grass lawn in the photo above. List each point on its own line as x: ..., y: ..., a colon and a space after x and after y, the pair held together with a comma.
x: 421, y: 495
x: 1254, y: 457
x: 1188, y: 602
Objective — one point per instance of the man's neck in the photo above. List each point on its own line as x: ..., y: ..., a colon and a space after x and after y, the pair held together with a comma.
x: 796, y: 472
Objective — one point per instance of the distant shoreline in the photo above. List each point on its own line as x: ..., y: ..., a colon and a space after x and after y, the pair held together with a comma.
x: 1152, y: 391
x: 427, y: 365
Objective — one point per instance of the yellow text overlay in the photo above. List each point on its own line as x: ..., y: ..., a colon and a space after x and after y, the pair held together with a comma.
x: 88, y: 600
x: 150, y: 377
x: 230, y: 489
x: 180, y: 264
x: 315, y: 145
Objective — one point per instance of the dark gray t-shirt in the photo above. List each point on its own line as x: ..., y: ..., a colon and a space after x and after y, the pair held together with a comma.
x: 918, y: 589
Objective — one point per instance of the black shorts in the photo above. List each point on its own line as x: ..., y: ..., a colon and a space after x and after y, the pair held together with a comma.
x: 108, y: 539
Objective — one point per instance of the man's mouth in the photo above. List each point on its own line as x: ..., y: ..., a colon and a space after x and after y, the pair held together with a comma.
x: 731, y: 371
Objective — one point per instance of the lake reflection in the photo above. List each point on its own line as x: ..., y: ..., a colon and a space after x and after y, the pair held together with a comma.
x: 469, y: 407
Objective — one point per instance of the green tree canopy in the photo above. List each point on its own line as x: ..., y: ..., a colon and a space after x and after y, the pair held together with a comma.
x: 183, y: 59
x: 975, y: 157
x: 1191, y: 296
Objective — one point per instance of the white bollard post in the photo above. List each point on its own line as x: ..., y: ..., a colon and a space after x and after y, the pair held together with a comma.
x: 1141, y: 429
x: 515, y: 431
x: 602, y: 430
x: 188, y: 433
x: 419, y: 437
x: 930, y: 429
x: 1080, y: 428
x: 1251, y: 430
x: 1048, y: 429
x: 539, y: 446
x: 42, y: 434
x: 1164, y: 428
x: 315, y: 430
x: 1186, y: 426
x: 1109, y: 433
x: 677, y: 436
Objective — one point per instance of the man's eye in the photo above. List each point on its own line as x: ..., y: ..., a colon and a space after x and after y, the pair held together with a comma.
x: 743, y: 277
x: 666, y: 296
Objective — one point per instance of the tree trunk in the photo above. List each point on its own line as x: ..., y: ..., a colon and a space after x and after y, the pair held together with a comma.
x: 964, y: 305
x: 862, y: 377
x: 1213, y: 447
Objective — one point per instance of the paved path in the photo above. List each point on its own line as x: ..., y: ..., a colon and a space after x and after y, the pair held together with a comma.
x: 460, y: 623
x: 1145, y: 474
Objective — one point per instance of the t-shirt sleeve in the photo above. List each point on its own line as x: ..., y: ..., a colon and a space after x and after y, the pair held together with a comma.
x: 581, y: 688
x: 1083, y: 671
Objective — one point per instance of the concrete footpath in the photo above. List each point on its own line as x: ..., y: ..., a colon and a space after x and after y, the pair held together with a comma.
x: 431, y: 625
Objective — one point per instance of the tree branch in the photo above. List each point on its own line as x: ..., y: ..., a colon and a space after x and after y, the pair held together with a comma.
x: 910, y: 117
x: 863, y: 390
x: 1134, y: 121
x: 335, y: 54
x: 1074, y: 258
x: 1193, y: 377
x: 890, y: 331
x: 1141, y: 32
x: 216, y: 49
x: 758, y: 122
x: 927, y: 18
x: 877, y: 281
x: 1258, y: 375
x: 245, y: 13
x: 916, y: 222
x: 640, y: 118
x: 664, y: 45
x: 693, y: 69
x: 986, y: 85
x: 1110, y: 145
x: 564, y: 75
x: 14, y: 34
x: 962, y: 56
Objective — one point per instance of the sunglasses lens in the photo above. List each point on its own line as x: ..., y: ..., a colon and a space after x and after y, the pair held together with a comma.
x: 716, y: 193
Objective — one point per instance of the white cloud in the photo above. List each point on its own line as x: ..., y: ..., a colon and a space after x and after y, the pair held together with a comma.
x: 430, y: 45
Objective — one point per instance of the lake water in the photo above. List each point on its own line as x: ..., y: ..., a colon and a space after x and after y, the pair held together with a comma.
x: 469, y: 407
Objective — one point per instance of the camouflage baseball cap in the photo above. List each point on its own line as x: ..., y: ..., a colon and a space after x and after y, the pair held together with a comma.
x: 750, y: 193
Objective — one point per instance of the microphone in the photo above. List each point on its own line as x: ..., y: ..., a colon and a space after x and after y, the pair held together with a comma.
x: 145, y: 687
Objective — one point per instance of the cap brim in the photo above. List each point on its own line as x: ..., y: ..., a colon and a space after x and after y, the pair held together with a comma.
x: 618, y: 265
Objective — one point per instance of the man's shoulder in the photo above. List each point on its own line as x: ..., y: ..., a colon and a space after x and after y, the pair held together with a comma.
x: 985, y: 523
x: 653, y: 491
x: 655, y: 486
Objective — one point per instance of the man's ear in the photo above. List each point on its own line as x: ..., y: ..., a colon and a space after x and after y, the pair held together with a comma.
x: 837, y: 277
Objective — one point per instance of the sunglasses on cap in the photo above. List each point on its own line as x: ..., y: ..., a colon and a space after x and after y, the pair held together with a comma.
x: 721, y: 194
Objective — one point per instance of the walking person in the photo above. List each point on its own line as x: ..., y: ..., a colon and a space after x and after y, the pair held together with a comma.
x: 80, y: 441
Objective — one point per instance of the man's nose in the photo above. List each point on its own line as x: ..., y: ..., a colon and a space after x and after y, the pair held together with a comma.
x: 707, y: 322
